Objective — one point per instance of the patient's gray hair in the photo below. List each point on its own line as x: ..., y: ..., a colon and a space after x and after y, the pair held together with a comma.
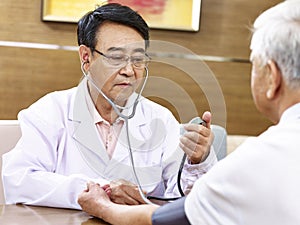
x: 276, y: 36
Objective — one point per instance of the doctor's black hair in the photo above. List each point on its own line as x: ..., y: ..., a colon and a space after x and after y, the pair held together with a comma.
x: 89, y: 24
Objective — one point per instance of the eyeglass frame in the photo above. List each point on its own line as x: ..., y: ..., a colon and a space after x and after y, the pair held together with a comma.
x: 125, y: 60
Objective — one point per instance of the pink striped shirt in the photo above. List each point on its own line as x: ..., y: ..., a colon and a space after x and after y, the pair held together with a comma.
x: 109, y: 133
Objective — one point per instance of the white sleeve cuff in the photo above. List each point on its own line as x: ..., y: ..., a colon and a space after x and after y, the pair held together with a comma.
x: 203, y: 167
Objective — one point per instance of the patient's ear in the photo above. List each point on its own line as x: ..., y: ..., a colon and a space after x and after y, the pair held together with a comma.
x: 274, y: 80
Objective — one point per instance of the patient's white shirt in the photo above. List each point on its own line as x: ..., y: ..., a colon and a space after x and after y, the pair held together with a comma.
x: 259, y: 183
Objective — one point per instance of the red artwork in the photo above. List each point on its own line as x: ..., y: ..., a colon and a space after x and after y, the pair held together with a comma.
x: 144, y: 7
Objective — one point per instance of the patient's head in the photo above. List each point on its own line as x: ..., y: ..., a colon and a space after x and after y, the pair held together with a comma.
x: 275, y: 56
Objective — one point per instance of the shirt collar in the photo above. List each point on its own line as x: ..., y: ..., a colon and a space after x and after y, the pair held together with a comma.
x: 291, y: 113
x: 95, y: 114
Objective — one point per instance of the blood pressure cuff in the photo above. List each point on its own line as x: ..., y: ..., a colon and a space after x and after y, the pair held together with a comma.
x: 170, y: 214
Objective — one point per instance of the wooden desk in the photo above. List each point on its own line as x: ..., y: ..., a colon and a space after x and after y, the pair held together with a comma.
x: 28, y: 215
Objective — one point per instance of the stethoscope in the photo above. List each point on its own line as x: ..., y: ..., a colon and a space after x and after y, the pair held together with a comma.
x: 117, y: 109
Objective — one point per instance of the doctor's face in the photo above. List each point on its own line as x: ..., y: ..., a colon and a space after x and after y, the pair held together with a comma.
x: 118, y: 61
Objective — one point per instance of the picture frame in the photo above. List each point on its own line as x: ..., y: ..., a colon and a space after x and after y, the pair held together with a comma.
x: 159, y: 14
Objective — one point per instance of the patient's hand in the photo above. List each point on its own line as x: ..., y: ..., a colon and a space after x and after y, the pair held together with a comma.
x: 124, y: 192
x: 94, y: 199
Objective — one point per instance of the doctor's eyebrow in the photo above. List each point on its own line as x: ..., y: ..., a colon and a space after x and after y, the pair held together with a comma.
x: 113, y: 49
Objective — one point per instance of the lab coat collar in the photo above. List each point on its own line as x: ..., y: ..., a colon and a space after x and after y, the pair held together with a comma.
x: 86, y: 134
x: 85, y: 131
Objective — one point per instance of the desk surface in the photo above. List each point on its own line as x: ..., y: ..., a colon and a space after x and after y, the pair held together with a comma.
x: 27, y: 215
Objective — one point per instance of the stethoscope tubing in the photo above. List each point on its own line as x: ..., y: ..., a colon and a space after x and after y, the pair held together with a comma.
x: 117, y: 109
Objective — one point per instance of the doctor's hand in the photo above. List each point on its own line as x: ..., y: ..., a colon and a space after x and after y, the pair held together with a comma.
x: 94, y: 199
x: 197, y: 140
x: 124, y: 192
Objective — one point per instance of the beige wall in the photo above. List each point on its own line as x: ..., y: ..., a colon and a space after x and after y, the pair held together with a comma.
x: 26, y: 74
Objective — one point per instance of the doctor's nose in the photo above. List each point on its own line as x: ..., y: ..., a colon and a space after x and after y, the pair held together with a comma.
x: 128, y: 69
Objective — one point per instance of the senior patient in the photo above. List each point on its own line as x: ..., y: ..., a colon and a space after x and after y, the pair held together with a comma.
x: 74, y: 136
x: 259, y: 182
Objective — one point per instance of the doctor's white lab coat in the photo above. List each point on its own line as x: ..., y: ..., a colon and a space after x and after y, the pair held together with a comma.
x: 60, y: 150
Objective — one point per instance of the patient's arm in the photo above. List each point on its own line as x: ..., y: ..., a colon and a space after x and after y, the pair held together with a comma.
x: 96, y: 202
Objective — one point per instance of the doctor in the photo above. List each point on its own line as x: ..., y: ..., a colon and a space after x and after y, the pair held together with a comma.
x: 74, y: 136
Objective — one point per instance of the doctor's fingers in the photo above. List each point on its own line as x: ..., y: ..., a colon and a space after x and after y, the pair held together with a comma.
x: 194, y: 150
x: 197, y: 128
x: 198, y: 134
x: 134, y: 193
x: 120, y: 196
x: 201, y: 138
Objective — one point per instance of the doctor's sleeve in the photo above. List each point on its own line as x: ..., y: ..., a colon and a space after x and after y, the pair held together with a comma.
x: 29, y: 170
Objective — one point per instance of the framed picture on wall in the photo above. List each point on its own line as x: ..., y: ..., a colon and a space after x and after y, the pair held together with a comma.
x: 159, y: 14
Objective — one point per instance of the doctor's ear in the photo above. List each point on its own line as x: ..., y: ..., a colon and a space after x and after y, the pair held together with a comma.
x: 86, y: 59
x: 84, y: 53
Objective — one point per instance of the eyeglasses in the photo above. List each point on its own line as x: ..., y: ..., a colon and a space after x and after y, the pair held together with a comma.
x: 119, y: 60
